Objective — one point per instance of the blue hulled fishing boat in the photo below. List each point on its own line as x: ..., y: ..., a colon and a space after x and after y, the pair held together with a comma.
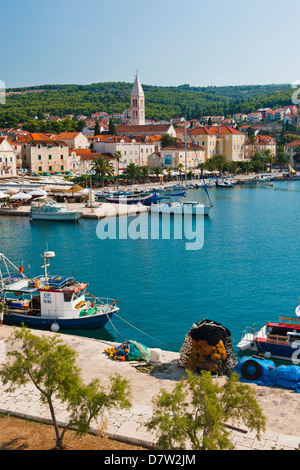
x: 50, y: 302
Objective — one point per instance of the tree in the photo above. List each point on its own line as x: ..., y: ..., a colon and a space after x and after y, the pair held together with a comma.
x: 103, y: 168
x: 196, y: 411
x: 132, y: 171
x: 118, y: 156
x: 219, y: 162
x: 144, y: 171
x: 281, y: 158
x: 169, y: 171
x: 180, y: 168
x: 157, y: 171
x: 167, y: 141
x: 97, y: 129
x: 268, y: 158
x: 51, y: 366
x: 111, y: 127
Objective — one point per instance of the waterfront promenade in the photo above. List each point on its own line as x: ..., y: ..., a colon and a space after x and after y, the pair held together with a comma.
x: 281, y: 407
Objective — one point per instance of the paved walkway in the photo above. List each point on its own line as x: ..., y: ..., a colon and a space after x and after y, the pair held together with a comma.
x: 281, y: 407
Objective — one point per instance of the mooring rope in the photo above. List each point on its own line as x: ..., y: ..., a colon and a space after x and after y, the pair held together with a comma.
x: 149, y: 336
x: 132, y: 326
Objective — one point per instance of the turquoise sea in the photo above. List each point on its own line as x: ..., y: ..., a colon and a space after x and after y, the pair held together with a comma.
x: 246, y: 273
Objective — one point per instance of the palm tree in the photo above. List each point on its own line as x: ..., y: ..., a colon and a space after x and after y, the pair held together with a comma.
x: 103, y: 168
x: 269, y: 158
x: 144, y: 170
x: 118, y: 156
x: 180, y: 168
x: 281, y: 158
x: 132, y: 171
x: 157, y: 171
x: 169, y: 171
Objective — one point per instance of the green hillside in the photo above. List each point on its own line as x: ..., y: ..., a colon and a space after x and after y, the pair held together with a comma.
x: 161, y: 102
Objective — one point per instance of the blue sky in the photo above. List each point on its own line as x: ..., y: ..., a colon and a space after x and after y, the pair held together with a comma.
x: 170, y: 42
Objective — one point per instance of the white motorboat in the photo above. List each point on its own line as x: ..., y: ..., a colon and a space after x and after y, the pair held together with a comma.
x: 47, y: 209
x: 224, y: 183
x: 184, y: 208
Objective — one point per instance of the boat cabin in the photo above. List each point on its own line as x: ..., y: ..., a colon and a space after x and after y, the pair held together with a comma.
x: 56, y: 296
x: 286, y: 330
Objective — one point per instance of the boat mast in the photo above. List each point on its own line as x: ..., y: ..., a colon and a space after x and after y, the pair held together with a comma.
x: 47, y: 255
x: 185, y: 157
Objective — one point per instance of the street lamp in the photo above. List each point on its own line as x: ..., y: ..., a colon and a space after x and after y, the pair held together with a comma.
x: 91, y: 173
x: 22, y: 171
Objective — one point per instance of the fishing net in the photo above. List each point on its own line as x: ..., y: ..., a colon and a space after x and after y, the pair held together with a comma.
x: 129, y: 351
x: 207, y: 346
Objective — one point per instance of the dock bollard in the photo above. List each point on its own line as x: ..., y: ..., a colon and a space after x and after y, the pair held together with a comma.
x: 155, y: 356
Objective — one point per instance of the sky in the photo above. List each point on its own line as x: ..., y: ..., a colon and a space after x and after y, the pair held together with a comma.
x: 170, y: 42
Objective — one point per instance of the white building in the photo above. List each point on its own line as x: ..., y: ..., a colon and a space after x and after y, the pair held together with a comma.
x: 8, y: 165
x: 74, y: 140
x: 133, y: 149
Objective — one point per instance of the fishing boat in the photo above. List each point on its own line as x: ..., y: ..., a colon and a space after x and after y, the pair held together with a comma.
x: 47, y: 209
x: 277, y: 340
x: 142, y: 198
x: 51, y: 302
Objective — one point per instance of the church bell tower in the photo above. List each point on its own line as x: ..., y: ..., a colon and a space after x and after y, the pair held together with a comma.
x: 137, y: 104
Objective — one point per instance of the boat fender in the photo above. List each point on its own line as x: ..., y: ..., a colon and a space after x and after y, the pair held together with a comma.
x: 249, y: 375
x: 54, y: 327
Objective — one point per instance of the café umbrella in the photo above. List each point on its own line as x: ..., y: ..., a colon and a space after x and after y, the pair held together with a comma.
x: 20, y: 197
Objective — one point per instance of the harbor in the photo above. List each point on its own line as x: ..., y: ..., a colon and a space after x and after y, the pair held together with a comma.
x: 243, y: 275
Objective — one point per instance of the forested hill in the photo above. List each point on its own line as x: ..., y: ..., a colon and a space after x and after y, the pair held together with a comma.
x: 161, y: 102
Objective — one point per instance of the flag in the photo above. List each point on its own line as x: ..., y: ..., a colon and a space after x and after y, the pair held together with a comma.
x: 21, y: 269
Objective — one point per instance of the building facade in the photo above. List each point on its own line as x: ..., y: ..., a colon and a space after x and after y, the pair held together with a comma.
x: 171, y: 157
x: 8, y: 158
x: 222, y: 140
x: 260, y: 144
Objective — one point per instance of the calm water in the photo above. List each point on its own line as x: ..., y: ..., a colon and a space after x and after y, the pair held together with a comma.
x: 247, y: 271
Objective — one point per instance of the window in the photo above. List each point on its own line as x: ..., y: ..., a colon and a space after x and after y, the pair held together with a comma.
x: 61, y: 157
x: 62, y: 167
x: 50, y: 157
x: 50, y: 168
x: 39, y: 157
x: 40, y: 168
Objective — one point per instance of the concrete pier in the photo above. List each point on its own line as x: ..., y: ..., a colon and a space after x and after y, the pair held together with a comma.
x: 280, y: 406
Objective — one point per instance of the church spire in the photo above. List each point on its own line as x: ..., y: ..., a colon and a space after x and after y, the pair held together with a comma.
x: 137, y: 103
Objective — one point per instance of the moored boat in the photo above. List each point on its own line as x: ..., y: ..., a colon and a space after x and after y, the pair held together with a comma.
x: 47, y: 209
x: 50, y: 301
x: 181, y: 208
x: 145, y: 199
x: 278, y: 340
